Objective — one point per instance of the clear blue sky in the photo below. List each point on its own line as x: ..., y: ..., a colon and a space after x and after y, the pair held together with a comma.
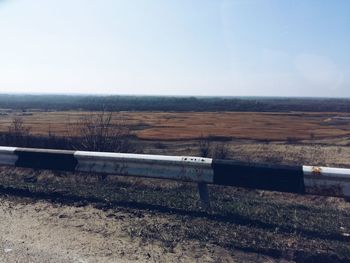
x: 182, y: 47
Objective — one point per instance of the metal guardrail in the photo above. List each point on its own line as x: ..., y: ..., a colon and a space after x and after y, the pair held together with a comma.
x: 296, y: 179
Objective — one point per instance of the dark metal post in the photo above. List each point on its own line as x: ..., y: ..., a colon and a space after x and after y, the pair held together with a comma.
x: 204, y: 195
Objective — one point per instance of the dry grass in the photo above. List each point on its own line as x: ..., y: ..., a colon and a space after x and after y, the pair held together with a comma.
x: 281, y: 226
x: 192, y: 125
x: 277, y: 225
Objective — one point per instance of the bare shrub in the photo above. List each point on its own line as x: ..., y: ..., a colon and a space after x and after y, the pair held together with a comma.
x: 18, y: 133
x: 208, y: 149
x: 204, y: 145
x: 100, y: 132
x: 220, y: 151
x: 17, y: 127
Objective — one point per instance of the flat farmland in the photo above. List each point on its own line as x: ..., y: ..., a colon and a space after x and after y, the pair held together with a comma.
x: 192, y: 125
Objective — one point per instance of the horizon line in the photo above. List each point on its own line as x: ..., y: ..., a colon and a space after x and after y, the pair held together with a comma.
x: 163, y: 95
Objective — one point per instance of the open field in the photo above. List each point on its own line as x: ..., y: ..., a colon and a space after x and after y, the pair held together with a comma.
x: 193, y: 125
x: 62, y: 217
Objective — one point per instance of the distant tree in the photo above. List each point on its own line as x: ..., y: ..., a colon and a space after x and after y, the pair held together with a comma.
x: 100, y: 132
x: 204, y: 146
x: 207, y: 148
x: 18, y: 133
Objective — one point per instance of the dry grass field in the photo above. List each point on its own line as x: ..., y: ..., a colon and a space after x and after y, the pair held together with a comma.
x: 192, y: 125
x: 55, y: 216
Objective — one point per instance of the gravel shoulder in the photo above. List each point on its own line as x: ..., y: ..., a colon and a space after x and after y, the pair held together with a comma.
x: 41, y: 231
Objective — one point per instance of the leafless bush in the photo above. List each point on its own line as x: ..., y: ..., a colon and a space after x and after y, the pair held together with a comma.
x: 100, y: 132
x: 208, y: 149
x: 18, y: 133
x: 204, y: 145
x: 220, y: 151
x: 17, y: 127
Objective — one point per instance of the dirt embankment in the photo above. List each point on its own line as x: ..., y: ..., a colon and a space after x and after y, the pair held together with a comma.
x: 46, y: 232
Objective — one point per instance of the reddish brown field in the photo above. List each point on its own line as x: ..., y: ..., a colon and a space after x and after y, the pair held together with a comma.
x: 192, y: 125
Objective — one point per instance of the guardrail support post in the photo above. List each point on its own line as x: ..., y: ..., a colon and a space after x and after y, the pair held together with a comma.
x: 204, y: 195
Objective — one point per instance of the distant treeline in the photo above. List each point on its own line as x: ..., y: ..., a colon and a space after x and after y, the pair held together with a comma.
x: 158, y: 103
